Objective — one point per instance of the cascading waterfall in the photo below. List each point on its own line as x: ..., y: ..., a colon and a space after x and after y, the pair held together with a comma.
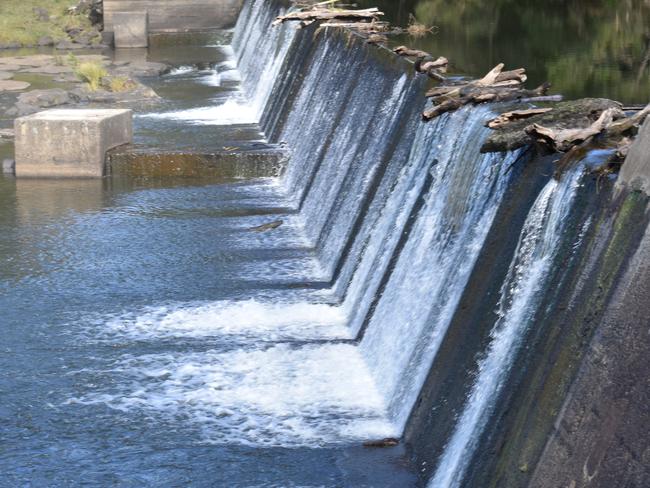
x: 396, y: 213
x: 258, y: 51
x: 401, y: 340
x: 521, y: 293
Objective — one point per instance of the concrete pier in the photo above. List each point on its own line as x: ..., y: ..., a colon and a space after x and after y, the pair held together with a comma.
x: 635, y: 172
x: 69, y: 143
x: 131, y: 29
x: 176, y: 15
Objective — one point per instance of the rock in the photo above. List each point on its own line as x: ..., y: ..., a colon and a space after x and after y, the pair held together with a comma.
x: 21, y: 109
x: 93, y: 9
x: 143, y: 68
x: 34, y: 101
x: 89, y: 37
x: 7, y: 133
x: 69, y: 46
x: 8, y: 166
x: 12, y: 85
x: 5, y: 76
x: 41, y: 14
x: 48, y: 70
x: 269, y: 226
x: 45, y: 98
x: 10, y: 45
x: 388, y: 442
x: 46, y: 41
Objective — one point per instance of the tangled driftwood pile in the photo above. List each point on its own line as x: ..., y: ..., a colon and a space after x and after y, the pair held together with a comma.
x: 566, y: 126
x: 562, y: 128
x: 557, y: 129
x: 323, y: 11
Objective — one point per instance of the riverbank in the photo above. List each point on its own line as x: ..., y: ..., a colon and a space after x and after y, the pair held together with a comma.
x: 33, y: 23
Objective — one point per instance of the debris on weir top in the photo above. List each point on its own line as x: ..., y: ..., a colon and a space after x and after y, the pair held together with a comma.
x: 325, y: 11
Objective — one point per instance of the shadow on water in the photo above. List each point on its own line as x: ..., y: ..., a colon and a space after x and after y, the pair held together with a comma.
x: 593, y: 48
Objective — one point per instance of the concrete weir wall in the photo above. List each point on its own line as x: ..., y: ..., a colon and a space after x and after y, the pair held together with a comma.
x: 177, y: 15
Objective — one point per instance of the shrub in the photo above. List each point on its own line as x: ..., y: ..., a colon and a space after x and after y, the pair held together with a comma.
x: 119, y: 84
x: 416, y: 29
x: 92, y: 73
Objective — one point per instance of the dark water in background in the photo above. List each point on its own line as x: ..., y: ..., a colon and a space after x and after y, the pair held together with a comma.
x: 586, y: 48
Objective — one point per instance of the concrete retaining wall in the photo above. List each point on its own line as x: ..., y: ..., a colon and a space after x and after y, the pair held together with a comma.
x: 636, y: 170
x: 177, y: 15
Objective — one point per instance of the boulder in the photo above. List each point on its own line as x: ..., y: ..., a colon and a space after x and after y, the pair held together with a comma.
x: 10, y: 45
x: 12, y: 85
x: 35, y: 100
x: 70, y: 46
x: 45, y: 41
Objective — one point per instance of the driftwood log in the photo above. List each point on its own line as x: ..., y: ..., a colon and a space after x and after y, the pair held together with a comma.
x: 505, y: 118
x: 562, y: 140
x: 425, y: 63
x: 320, y: 13
x: 496, y: 86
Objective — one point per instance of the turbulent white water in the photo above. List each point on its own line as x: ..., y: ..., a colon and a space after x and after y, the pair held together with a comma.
x: 278, y: 396
x: 259, y: 52
x: 249, y: 320
x: 521, y: 292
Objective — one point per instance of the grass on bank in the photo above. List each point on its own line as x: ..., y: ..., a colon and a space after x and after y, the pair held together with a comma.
x: 19, y: 23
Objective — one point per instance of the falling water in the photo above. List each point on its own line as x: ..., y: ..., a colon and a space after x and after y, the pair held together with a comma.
x: 520, y: 296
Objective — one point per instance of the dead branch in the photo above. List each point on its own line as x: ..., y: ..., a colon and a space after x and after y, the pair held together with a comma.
x: 505, y: 118
x: 319, y: 13
x: 410, y: 53
x: 563, y: 140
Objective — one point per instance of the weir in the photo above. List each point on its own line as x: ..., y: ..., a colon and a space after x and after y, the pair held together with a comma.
x: 408, y: 286
x: 397, y: 214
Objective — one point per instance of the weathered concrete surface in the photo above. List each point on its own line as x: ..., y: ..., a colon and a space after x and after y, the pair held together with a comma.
x: 177, y: 15
x: 635, y: 173
x: 602, y: 434
x: 131, y: 29
x: 219, y: 166
x: 69, y: 143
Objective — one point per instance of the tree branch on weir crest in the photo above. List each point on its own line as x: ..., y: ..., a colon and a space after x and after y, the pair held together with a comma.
x: 321, y: 13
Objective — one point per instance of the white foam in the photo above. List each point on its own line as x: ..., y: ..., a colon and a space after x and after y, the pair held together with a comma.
x: 232, y: 111
x: 181, y: 70
x: 213, y: 78
x: 281, y: 396
x: 242, y: 319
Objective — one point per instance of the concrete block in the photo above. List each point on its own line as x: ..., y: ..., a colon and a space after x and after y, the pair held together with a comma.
x: 131, y: 29
x: 69, y: 143
x: 635, y: 172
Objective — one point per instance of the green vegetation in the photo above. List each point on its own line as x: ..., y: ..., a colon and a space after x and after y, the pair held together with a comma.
x: 583, y: 47
x: 119, y: 84
x: 21, y: 23
x: 93, y: 73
